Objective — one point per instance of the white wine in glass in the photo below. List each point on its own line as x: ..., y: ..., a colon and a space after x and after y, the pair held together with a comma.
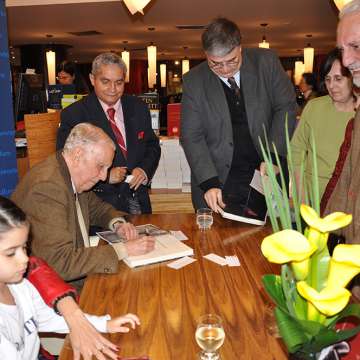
x: 210, y: 336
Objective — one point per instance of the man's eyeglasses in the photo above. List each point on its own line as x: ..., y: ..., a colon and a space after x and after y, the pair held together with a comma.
x: 221, y: 64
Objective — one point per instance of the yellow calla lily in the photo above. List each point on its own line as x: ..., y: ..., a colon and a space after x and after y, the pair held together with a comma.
x: 285, y: 246
x: 329, y: 301
x: 331, y: 222
x: 344, y: 265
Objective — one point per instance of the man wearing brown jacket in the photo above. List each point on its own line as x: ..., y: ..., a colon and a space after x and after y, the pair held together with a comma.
x: 55, y: 195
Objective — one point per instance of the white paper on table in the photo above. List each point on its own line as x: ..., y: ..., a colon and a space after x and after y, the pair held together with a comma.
x: 232, y: 260
x: 179, y: 235
x: 216, y: 259
x: 178, y: 264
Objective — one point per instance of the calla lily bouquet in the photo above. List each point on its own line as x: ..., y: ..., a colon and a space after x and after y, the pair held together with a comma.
x: 310, y: 293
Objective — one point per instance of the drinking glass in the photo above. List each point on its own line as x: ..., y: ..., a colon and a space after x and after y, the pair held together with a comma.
x: 204, y: 218
x: 209, y: 336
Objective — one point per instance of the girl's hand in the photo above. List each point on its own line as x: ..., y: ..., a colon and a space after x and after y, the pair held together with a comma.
x: 116, y: 324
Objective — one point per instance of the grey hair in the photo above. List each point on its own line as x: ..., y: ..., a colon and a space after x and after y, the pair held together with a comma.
x: 350, y: 8
x: 220, y: 37
x: 108, y: 58
x: 86, y: 135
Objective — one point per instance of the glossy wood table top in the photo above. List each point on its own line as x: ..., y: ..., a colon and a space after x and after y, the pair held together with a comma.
x: 169, y: 302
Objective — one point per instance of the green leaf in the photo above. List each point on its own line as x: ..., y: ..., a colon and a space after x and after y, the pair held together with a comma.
x: 289, y: 288
x: 315, y: 176
x: 273, y: 287
x: 319, y: 268
x: 291, y: 331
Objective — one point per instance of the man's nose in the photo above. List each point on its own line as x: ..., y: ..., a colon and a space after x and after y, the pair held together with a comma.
x: 347, y: 57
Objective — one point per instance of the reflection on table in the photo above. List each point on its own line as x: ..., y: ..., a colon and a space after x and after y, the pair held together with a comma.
x: 169, y: 302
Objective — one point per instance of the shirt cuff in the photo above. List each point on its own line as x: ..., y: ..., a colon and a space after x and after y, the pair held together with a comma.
x: 208, y: 184
x: 99, y: 322
x: 120, y: 250
x: 114, y: 221
x: 146, y: 177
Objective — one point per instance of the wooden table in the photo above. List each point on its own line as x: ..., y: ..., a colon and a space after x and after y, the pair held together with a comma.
x: 169, y: 302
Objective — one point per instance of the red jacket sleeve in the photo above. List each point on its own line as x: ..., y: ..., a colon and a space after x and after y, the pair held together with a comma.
x: 49, y: 284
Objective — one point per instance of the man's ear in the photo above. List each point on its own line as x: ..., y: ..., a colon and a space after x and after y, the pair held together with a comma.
x: 77, y: 154
x: 92, y: 79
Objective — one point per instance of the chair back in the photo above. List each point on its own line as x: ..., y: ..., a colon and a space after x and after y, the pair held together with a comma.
x: 41, y: 130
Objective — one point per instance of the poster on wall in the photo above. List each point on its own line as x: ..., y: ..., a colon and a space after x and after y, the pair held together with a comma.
x: 8, y: 166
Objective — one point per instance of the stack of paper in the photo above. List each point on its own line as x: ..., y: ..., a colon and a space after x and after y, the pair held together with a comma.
x: 167, y: 247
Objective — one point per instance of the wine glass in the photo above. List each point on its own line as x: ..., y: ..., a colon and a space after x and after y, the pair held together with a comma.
x: 210, y: 336
x: 204, y: 218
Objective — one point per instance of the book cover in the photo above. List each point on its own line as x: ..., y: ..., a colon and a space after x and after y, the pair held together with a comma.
x: 167, y: 247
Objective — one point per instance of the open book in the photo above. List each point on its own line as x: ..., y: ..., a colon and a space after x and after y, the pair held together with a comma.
x: 167, y: 247
x: 250, y: 209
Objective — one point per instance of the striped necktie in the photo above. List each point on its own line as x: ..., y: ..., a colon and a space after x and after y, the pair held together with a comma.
x: 234, y: 87
x: 116, y: 131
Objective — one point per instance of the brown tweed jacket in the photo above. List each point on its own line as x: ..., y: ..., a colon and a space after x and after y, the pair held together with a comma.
x: 346, y: 194
x: 47, y: 197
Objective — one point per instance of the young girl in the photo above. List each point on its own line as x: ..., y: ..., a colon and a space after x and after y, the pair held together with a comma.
x: 23, y: 313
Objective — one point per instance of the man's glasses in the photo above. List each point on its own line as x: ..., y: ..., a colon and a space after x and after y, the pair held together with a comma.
x: 216, y: 65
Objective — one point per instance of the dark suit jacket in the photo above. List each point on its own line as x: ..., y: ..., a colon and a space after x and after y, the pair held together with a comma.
x: 142, y: 144
x: 206, y: 128
x: 47, y: 197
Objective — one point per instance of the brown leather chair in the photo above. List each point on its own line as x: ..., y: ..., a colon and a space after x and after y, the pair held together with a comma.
x: 41, y: 130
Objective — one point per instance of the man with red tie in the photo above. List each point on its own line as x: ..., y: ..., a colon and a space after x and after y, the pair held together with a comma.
x: 126, y: 119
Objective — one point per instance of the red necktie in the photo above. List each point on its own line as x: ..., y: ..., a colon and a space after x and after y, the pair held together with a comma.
x: 116, y: 131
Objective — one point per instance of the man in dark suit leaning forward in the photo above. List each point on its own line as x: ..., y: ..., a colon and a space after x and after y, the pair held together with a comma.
x: 126, y: 119
x: 227, y: 101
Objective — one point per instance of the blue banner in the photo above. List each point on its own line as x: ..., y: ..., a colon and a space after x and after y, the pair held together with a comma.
x: 8, y: 165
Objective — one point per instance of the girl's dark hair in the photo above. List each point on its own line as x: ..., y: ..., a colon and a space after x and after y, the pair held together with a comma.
x: 326, y: 66
x: 310, y: 79
x: 11, y: 215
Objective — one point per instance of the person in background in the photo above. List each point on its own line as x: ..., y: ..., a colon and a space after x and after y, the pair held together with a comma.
x: 56, y: 196
x: 67, y: 74
x: 308, y: 87
x: 126, y: 120
x: 227, y: 102
x: 327, y: 118
x: 23, y: 313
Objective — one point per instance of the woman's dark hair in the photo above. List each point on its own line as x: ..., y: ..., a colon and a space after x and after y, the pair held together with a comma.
x: 326, y: 66
x: 11, y: 216
x: 67, y: 66
x: 310, y: 79
x: 70, y: 68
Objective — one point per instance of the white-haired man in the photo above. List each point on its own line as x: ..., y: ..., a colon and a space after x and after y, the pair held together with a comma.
x: 56, y: 198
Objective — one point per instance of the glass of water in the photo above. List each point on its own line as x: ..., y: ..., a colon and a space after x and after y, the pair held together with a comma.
x: 209, y: 336
x: 204, y: 218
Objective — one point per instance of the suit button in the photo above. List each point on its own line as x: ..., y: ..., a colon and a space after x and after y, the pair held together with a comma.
x: 231, y: 144
x: 106, y: 270
x: 227, y: 165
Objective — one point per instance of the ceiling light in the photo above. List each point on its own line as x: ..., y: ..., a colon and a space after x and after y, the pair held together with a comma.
x: 163, y: 75
x: 341, y: 3
x: 264, y: 44
x: 136, y: 5
x: 125, y: 55
x: 185, y: 65
x: 50, y: 61
x: 177, y: 62
x: 299, y: 70
x: 151, y: 53
x: 309, y: 56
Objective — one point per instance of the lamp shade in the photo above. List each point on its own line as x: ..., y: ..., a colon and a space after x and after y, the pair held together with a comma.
x: 136, y: 5
x: 151, y: 53
x: 163, y: 75
x: 125, y: 55
x: 341, y: 3
x: 185, y: 64
x: 51, y: 68
x: 264, y: 44
x: 309, y: 58
x: 299, y: 70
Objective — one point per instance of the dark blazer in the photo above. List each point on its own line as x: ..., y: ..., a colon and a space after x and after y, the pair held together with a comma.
x: 206, y: 128
x: 142, y: 144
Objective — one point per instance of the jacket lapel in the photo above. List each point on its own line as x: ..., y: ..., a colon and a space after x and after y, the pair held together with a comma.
x: 130, y: 129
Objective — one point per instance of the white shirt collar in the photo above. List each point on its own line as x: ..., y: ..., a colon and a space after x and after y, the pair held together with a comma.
x: 236, y: 77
